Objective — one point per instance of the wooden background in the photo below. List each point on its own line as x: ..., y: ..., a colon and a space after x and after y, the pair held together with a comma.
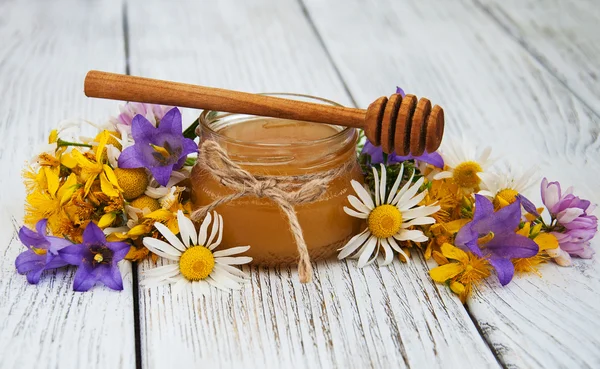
x: 520, y: 75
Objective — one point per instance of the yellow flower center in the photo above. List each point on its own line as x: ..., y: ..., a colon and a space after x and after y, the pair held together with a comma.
x: 196, y: 263
x: 145, y: 201
x: 99, y: 258
x: 132, y: 181
x: 507, y: 195
x: 384, y: 221
x: 465, y: 174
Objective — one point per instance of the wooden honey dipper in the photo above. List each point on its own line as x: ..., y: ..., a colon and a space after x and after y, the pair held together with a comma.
x: 401, y: 124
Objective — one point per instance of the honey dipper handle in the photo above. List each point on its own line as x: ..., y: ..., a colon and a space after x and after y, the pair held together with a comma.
x: 129, y: 88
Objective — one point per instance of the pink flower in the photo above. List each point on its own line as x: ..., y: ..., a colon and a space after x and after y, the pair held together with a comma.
x: 572, y: 221
x: 153, y: 113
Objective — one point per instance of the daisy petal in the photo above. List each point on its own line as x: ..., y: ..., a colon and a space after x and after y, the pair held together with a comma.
x: 179, y: 286
x: 396, y: 185
x: 204, y: 229
x: 358, y: 205
x: 197, y: 288
x: 165, y: 271
x: 411, y: 191
x: 154, y: 282
x: 214, y: 230
x: 231, y: 251
x: 174, y: 240
x: 233, y: 270
x: 239, y: 260
x: 421, y: 211
x: 354, y: 243
x: 354, y: 213
x: 419, y: 221
x: 161, y: 248
x: 409, y: 203
x: 412, y: 235
x: 403, y: 189
x: 383, y: 185
x: 217, y: 284
x: 218, y: 241
x: 387, y: 250
x: 366, y: 251
x: 186, y: 229
x: 362, y: 194
x: 219, y: 274
x: 442, y: 175
x: 376, y: 177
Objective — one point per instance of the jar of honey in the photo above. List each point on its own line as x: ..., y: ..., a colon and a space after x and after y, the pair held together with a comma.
x: 279, y: 147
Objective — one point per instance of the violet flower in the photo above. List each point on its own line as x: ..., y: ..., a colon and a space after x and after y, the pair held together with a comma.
x: 492, y: 235
x: 528, y: 205
x: 160, y: 149
x: 572, y: 220
x: 376, y: 154
x: 41, y: 254
x: 96, y: 260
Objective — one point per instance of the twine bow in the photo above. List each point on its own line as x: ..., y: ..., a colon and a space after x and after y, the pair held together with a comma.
x: 285, y: 191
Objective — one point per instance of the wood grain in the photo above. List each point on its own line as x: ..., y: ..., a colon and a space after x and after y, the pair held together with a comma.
x: 561, y: 34
x: 46, y: 49
x: 497, y: 94
x: 347, y: 317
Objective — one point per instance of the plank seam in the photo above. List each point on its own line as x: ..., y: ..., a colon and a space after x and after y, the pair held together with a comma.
x: 484, y: 337
x: 537, y: 56
x: 321, y: 41
x: 137, y: 332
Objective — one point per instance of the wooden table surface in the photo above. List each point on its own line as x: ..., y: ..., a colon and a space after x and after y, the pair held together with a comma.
x: 519, y: 75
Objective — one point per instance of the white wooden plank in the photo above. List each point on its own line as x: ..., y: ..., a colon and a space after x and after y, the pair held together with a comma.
x: 495, y: 94
x: 347, y: 317
x: 561, y: 34
x: 46, y: 49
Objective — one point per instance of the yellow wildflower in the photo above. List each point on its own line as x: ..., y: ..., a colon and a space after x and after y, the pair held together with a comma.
x: 448, y: 196
x: 545, y: 241
x: 49, y: 203
x: 92, y: 169
x: 442, y: 233
x: 466, y: 271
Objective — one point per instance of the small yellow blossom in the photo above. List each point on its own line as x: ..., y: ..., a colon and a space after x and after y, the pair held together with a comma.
x: 466, y: 271
x: 545, y: 241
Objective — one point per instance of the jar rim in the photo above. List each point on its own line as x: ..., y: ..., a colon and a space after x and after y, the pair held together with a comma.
x: 204, y: 123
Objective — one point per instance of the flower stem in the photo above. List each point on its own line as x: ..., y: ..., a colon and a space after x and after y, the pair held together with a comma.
x: 190, y: 132
x: 62, y: 143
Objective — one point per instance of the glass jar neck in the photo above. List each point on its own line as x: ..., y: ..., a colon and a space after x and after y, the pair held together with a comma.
x: 271, y: 146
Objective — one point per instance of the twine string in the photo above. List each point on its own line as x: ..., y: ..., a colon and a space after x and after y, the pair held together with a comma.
x: 285, y: 191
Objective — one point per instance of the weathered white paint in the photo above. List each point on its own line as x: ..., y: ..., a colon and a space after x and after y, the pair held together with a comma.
x: 561, y: 34
x: 457, y: 53
x: 46, y: 49
x: 497, y: 94
x: 348, y: 317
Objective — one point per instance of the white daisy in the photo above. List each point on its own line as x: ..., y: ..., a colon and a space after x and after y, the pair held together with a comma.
x: 388, y: 216
x: 197, y: 264
x: 463, y: 163
x: 503, y: 189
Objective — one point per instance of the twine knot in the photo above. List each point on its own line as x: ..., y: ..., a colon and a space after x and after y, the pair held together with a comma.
x: 285, y: 191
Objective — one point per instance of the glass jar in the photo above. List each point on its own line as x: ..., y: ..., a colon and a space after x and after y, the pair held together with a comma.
x: 271, y: 146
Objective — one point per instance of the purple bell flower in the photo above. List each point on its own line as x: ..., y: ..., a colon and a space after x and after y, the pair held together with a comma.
x: 160, y: 149
x: 376, y: 154
x: 574, y: 218
x: 41, y: 254
x: 492, y: 235
x: 96, y: 260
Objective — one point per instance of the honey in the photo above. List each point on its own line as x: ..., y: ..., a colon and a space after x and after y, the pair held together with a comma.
x: 277, y: 147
